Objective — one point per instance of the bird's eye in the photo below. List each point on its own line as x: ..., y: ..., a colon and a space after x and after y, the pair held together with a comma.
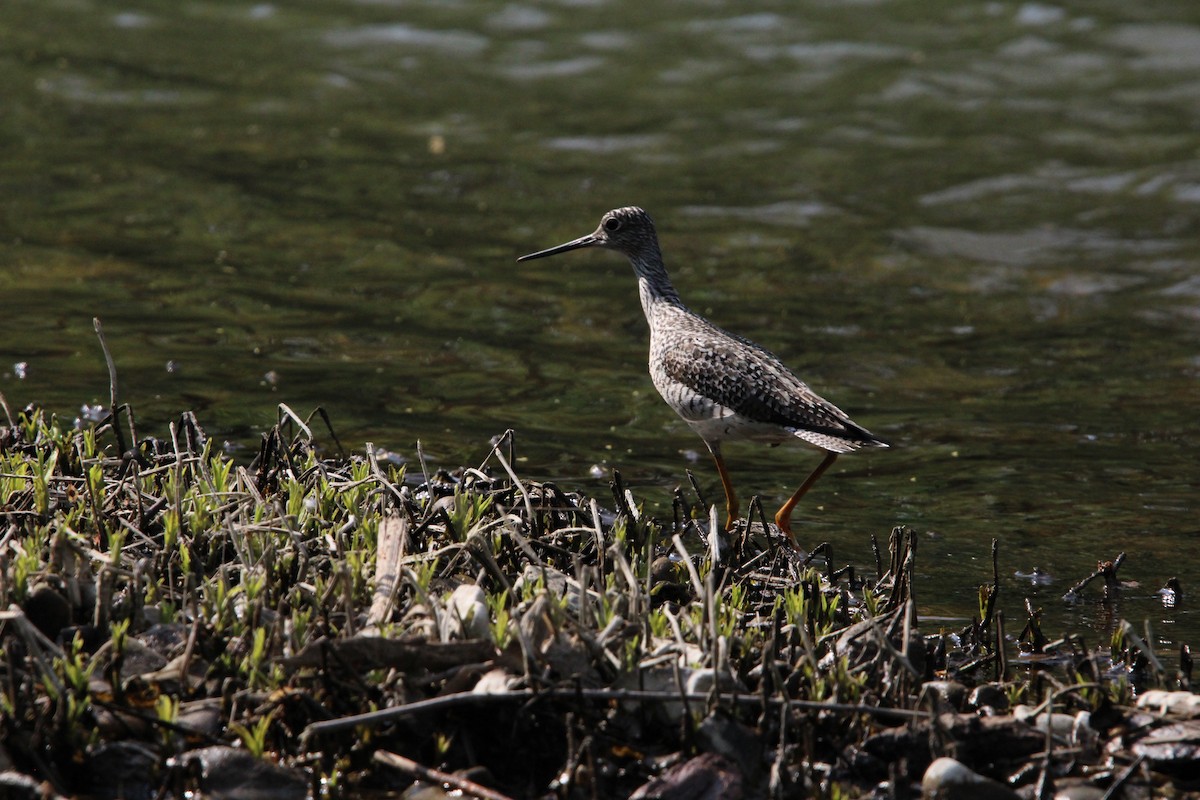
x: 612, y: 224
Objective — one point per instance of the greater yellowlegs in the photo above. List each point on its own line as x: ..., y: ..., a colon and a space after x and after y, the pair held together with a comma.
x: 724, y: 386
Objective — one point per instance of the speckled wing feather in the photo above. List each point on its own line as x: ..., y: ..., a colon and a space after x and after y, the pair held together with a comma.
x: 754, y: 384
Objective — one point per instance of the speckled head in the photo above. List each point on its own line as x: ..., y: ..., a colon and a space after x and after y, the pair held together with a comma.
x: 629, y: 231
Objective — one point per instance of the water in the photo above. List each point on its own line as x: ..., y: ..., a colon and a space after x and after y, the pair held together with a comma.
x: 972, y: 225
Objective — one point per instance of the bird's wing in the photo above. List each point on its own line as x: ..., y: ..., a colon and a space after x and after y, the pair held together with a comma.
x: 755, y: 384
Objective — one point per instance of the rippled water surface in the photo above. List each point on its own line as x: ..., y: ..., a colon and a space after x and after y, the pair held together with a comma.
x: 973, y: 225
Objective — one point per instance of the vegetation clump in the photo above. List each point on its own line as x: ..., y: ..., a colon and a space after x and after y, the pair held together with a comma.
x: 306, y: 625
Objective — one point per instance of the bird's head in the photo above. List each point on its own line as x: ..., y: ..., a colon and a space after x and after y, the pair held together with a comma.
x: 629, y: 231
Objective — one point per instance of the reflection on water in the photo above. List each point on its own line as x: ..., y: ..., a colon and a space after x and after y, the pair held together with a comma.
x: 972, y: 225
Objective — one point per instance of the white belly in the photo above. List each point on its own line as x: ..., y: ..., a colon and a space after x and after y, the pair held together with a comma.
x: 714, y: 422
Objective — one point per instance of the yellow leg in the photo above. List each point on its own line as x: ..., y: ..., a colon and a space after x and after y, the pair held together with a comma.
x: 731, y: 503
x: 783, y: 518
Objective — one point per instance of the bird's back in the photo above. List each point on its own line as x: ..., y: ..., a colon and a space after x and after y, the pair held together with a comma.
x: 726, y: 386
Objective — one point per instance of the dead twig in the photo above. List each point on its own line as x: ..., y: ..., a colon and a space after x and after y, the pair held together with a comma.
x: 430, y: 775
x: 384, y: 716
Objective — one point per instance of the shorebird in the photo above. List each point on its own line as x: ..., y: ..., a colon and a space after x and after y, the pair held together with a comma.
x: 722, y: 385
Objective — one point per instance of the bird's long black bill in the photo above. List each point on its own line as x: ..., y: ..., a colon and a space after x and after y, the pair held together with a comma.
x: 582, y: 241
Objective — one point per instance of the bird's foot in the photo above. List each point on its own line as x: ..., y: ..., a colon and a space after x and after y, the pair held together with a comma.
x: 784, y: 523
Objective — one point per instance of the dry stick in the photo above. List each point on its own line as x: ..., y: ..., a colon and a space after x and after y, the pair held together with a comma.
x: 910, y: 568
x: 421, y: 772
x: 379, y: 476
x: 677, y: 504
x: 37, y: 646
x: 744, y: 539
x: 112, y: 385
x: 1044, y: 785
x: 710, y: 609
x: 696, y: 488
x: 618, y: 556
x: 631, y: 504
x: 7, y: 410
x: 389, y: 556
x: 1115, y: 790
x: 424, y: 466
x: 477, y: 548
x: 1104, y: 569
x: 384, y: 716
x: 512, y: 444
x: 599, y: 536
x: 1001, y: 656
x: 898, y: 656
x: 188, y: 650
x: 697, y: 584
x: 996, y: 563
x: 523, y: 543
x: 287, y: 412
x: 673, y: 621
x: 910, y: 616
x: 1141, y: 644
x: 714, y: 542
x: 516, y: 481
x: 329, y: 426
x: 685, y: 730
x: 1057, y: 694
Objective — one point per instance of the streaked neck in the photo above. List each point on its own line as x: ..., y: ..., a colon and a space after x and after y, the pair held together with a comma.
x: 654, y: 287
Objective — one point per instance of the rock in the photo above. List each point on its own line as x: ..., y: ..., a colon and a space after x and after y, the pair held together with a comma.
x: 1171, y: 746
x: 136, y: 658
x: 426, y: 791
x: 558, y: 584
x: 495, y: 681
x: 552, y: 580
x: 126, y: 770
x: 988, y: 695
x: 1079, y: 791
x: 947, y: 779
x: 466, y: 615
x: 537, y: 625
x: 48, y: 610
x: 16, y: 786
x: 1062, y: 725
x: 702, y: 681
x: 1180, y: 703
x: 706, y: 777
x: 974, y: 739
x: 201, y: 717
x: 169, y: 640
x: 565, y: 655
x: 720, y: 734
x: 668, y: 581
x: 952, y: 693
x: 226, y: 773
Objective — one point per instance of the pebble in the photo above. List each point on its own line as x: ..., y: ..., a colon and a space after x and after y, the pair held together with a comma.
x: 947, y: 779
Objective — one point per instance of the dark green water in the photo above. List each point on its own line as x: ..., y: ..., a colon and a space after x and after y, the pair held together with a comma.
x: 973, y: 225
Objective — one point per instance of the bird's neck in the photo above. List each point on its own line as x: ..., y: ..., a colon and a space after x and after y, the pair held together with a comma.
x: 654, y: 286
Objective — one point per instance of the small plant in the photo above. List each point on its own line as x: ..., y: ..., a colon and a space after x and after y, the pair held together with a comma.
x: 252, y: 663
x: 468, y: 509
x: 26, y: 564
x: 660, y: 624
x: 441, y: 744
x: 731, y: 609
x: 872, y: 603
x: 1120, y: 691
x: 421, y: 574
x: 498, y: 627
x: 166, y: 709
x: 254, y: 738
x: 43, y: 474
